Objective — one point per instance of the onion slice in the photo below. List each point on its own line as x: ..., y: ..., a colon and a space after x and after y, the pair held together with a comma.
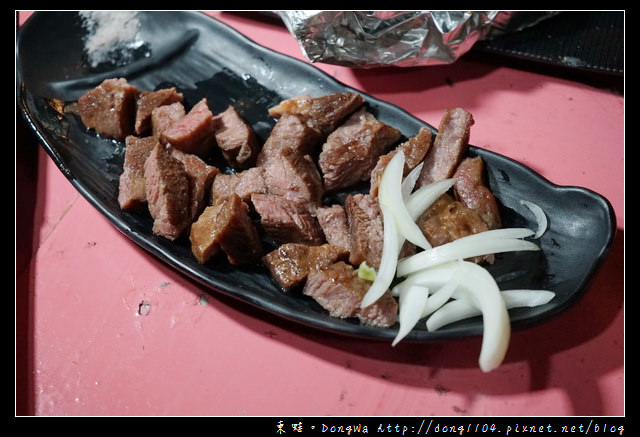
x: 461, y: 309
x: 390, y: 195
x: 481, y: 290
x: 411, y: 303
x: 388, y: 261
x: 409, y: 182
x: 423, y: 197
x: 540, y: 216
x: 460, y: 249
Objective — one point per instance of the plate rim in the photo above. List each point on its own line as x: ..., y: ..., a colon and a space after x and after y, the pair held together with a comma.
x: 327, y: 324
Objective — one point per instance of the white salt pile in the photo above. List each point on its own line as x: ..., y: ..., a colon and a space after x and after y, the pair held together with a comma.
x: 111, y: 35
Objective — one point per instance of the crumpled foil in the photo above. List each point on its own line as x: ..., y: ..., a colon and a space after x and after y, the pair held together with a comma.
x: 400, y: 38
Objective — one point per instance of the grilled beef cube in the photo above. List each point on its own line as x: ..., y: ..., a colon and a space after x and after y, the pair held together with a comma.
x: 201, y: 176
x: 193, y: 133
x: 415, y: 149
x: 164, y: 116
x: 235, y: 138
x: 244, y: 184
x: 109, y: 108
x: 132, y: 188
x: 447, y: 220
x: 294, y: 177
x: 339, y: 290
x: 333, y: 221
x: 286, y: 221
x: 167, y: 190
x: 365, y: 229
x: 324, y: 113
x: 291, y: 263
x: 352, y: 150
x: 227, y: 226
x: 449, y: 147
x: 289, y: 132
x: 147, y: 101
x: 470, y: 189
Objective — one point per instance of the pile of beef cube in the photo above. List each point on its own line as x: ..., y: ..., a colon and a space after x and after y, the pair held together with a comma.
x: 319, y: 146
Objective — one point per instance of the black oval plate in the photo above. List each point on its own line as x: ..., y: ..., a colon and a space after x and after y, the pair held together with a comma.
x: 205, y: 58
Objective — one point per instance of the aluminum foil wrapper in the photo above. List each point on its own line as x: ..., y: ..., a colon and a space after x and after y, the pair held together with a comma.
x: 366, y: 39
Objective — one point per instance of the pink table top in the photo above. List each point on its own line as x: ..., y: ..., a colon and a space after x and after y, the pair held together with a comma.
x: 83, y: 348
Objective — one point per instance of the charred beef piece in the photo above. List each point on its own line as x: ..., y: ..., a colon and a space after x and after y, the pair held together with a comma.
x: 286, y: 221
x: 415, y: 149
x: 244, y: 184
x: 167, y: 190
x: 201, y: 176
x: 366, y: 227
x: 193, y: 133
x: 132, y: 188
x: 470, y: 189
x: 339, y: 290
x: 164, y: 116
x: 333, y: 221
x: 365, y: 223
x: 324, y: 113
x: 289, y: 133
x: 447, y: 220
x: 352, y: 150
x: 449, y: 147
x: 147, y: 101
x: 291, y: 263
x: 295, y: 177
x: 227, y: 226
x: 236, y: 139
x: 109, y: 108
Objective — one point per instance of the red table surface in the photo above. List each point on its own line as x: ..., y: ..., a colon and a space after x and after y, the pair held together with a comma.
x: 82, y: 349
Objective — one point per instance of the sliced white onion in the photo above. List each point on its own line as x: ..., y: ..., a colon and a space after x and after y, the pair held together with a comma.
x: 481, y: 291
x: 409, y: 182
x: 418, y: 202
x: 461, y: 309
x: 388, y: 261
x: 541, y: 217
x: 390, y: 195
x: 411, y: 303
x: 460, y: 249
x: 441, y: 296
x: 433, y: 278
x: 526, y: 297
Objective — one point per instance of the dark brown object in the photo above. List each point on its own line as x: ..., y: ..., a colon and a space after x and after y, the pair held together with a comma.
x: 449, y: 147
x: 291, y: 263
x: 289, y: 133
x: 286, y: 221
x: 339, y: 290
x: 244, y: 184
x: 448, y: 219
x: 167, y: 191
x: 296, y: 178
x: 323, y: 113
x: 164, y: 116
x: 147, y: 101
x: 470, y: 189
x: 201, y: 176
x: 333, y: 221
x: 415, y: 149
x: 132, y: 188
x: 109, y: 108
x: 352, y: 150
x: 227, y: 226
x: 235, y: 138
x: 193, y: 133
